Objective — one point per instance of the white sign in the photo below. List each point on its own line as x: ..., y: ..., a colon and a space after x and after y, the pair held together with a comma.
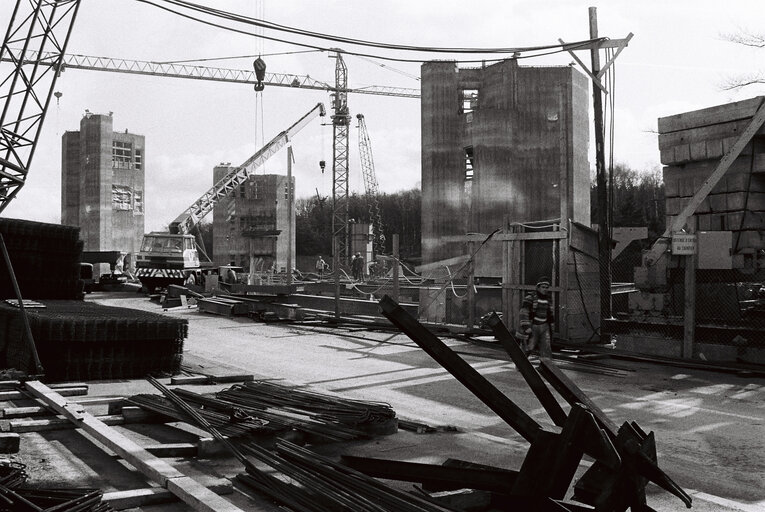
x: 683, y: 244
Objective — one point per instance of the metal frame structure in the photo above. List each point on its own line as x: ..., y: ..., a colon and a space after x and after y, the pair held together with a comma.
x: 180, y: 70
x: 25, y: 92
x: 340, y: 121
x: 370, y: 185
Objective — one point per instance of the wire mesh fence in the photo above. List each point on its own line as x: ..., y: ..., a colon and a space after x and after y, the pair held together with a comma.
x: 702, y: 314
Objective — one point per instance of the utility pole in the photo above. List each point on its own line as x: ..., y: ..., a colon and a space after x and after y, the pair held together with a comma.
x: 604, y: 240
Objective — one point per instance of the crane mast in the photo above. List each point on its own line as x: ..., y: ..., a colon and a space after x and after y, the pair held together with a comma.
x: 370, y: 185
x: 340, y: 121
x: 26, y: 91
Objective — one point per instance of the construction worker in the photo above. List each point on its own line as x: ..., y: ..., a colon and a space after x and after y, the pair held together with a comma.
x: 321, y: 266
x: 537, y: 318
x: 357, y: 266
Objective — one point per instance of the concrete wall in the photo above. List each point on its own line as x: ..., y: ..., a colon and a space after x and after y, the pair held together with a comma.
x: 529, y: 135
x: 98, y: 196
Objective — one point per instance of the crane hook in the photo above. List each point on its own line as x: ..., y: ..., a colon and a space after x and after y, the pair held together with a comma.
x: 260, y: 73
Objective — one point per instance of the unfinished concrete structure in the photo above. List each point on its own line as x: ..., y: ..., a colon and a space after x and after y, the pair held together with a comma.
x: 102, y: 184
x: 254, y: 222
x: 506, y: 147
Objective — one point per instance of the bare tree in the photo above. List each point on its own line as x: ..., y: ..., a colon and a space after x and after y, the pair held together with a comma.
x: 745, y: 38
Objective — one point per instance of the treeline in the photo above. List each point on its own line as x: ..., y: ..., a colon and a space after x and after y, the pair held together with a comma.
x: 637, y: 199
x: 400, y: 214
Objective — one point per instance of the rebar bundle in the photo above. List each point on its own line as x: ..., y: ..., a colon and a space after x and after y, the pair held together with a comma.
x: 346, y: 411
x: 316, y: 484
x: 231, y: 424
x: 14, y: 496
x: 79, y: 340
x: 314, y: 427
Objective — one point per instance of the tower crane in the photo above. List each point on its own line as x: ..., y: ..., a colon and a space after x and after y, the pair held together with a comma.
x: 26, y: 91
x: 339, y: 93
x: 370, y: 185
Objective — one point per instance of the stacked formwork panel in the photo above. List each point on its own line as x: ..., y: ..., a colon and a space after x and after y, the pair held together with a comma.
x: 75, y: 340
x: 692, y: 145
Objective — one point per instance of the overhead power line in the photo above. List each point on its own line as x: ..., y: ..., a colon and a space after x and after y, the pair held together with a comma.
x: 229, y: 16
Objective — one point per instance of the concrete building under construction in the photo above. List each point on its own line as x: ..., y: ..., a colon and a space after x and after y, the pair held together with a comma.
x: 102, y: 184
x: 506, y: 147
x: 254, y: 222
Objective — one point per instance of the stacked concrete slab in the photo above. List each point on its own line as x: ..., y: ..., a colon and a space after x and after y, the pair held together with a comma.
x: 692, y: 145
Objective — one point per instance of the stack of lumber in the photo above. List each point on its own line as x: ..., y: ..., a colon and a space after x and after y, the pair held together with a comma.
x: 45, y: 258
x: 692, y: 144
x: 79, y: 340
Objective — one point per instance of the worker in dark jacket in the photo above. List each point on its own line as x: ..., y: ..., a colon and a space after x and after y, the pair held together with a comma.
x: 537, y: 318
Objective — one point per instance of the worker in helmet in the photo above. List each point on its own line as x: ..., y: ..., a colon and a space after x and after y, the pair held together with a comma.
x: 357, y: 267
x: 537, y: 318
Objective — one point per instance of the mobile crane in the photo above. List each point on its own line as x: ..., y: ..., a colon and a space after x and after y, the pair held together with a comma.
x: 168, y: 258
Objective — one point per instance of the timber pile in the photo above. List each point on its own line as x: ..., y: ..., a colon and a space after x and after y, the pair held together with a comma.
x: 45, y: 258
x: 15, y: 496
x: 691, y: 146
x: 85, y: 341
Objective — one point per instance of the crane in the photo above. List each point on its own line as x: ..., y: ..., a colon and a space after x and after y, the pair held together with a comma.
x: 370, y: 185
x: 340, y: 117
x: 167, y: 258
x: 26, y: 91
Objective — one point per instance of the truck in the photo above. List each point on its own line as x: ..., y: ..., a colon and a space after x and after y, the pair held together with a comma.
x: 170, y: 257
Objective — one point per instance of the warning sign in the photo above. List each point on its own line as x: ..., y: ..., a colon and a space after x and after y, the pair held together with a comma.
x: 683, y: 244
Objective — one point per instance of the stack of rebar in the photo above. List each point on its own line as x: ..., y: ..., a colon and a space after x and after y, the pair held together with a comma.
x: 313, y: 483
x: 231, y: 423
x: 45, y: 259
x: 358, y: 414
x: 79, y: 340
x: 316, y: 429
x: 15, y: 496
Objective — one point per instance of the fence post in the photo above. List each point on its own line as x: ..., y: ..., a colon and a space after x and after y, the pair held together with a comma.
x: 689, y: 313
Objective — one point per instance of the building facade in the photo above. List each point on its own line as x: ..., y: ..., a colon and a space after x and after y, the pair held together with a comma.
x: 254, y: 222
x: 102, y: 184
x: 501, y: 145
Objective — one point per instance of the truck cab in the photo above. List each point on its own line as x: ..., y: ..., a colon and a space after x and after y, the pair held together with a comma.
x: 165, y: 259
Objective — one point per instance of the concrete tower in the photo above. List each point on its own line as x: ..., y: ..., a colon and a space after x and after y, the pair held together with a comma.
x: 501, y: 144
x: 253, y: 221
x: 102, y: 184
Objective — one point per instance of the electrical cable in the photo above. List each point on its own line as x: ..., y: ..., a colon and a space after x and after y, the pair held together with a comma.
x: 558, y: 48
x: 233, y: 57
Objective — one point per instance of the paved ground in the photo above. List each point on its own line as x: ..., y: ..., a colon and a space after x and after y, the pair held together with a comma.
x: 709, y: 426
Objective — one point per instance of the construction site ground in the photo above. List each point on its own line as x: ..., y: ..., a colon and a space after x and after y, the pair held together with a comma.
x: 709, y: 426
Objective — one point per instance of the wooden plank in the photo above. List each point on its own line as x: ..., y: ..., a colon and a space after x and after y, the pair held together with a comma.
x: 135, y: 498
x: 190, y: 491
x: 20, y: 395
x: 214, y: 371
x: 712, y: 115
x: 502, y: 237
x: 22, y: 425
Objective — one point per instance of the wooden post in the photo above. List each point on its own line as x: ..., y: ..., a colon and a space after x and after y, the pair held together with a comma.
x: 471, y: 287
x: 395, y: 268
x: 604, y: 241
x: 689, y: 312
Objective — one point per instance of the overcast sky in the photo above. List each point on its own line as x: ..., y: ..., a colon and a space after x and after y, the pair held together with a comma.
x: 677, y: 61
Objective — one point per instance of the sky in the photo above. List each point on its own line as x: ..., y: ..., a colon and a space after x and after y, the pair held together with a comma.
x: 677, y: 61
